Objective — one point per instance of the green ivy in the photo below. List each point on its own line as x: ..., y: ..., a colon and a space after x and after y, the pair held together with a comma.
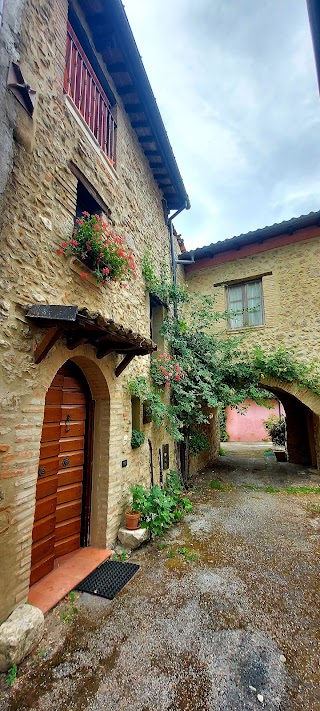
x: 162, y: 287
x: 137, y: 439
x: 198, y: 442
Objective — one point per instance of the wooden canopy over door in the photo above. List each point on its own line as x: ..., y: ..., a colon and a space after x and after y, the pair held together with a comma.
x: 60, y: 495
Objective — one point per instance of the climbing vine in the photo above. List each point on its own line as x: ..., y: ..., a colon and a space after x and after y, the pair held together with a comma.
x: 162, y: 287
x: 207, y: 369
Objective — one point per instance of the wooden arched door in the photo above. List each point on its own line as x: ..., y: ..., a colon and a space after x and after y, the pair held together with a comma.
x: 62, y: 510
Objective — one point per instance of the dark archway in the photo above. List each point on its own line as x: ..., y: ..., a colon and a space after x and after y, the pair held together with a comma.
x: 302, y: 409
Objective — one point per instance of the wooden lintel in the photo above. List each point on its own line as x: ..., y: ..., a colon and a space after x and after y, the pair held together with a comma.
x: 47, y: 343
x: 124, y: 363
x: 230, y: 282
x: 104, y: 351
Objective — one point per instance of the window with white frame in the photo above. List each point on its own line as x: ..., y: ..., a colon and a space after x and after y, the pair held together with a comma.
x: 245, y: 304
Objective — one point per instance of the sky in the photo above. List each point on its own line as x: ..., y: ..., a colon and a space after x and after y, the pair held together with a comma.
x: 235, y: 82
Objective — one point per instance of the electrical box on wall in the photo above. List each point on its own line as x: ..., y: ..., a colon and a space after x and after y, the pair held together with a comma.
x: 165, y: 456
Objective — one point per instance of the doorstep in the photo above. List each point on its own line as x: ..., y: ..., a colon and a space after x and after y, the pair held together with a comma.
x: 69, y: 570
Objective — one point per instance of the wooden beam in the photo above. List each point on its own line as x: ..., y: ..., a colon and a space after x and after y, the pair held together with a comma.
x: 103, y: 351
x: 124, y: 363
x: 126, y: 89
x: 75, y: 340
x: 117, y: 67
x: 159, y: 176
x: 140, y: 124
x: 146, y: 139
x: 47, y: 343
x: 134, y: 108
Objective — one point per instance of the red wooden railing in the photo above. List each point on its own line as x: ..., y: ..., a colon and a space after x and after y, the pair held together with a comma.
x: 86, y: 92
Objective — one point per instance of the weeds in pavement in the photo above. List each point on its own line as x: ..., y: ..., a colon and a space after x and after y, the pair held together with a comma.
x: 120, y: 556
x: 302, y: 490
x: 12, y: 675
x: 222, y: 452
x: 314, y: 507
x: 188, y: 555
x: 171, y: 553
x: 272, y: 490
x: 69, y: 612
x: 220, y: 486
x: 161, y: 546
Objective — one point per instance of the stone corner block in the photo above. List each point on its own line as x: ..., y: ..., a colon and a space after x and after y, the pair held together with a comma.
x: 19, y: 634
x: 133, y: 539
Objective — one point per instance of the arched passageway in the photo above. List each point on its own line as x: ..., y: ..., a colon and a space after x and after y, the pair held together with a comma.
x: 302, y: 408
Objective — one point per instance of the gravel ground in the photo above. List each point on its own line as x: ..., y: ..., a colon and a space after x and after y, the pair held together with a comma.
x: 237, y: 629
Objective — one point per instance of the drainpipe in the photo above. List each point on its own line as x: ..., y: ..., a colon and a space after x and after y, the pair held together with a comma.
x: 185, y: 206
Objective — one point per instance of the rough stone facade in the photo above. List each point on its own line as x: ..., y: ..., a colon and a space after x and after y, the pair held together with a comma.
x: 38, y: 213
x: 290, y: 272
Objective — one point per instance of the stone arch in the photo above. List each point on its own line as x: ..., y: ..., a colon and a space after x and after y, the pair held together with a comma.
x: 302, y: 408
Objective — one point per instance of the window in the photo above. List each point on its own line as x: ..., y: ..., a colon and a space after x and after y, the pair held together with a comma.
x: 156, y: 322
x: 135, y: 413
x: 245, y: 304
x: 82, y: 85
x: 86, y: 202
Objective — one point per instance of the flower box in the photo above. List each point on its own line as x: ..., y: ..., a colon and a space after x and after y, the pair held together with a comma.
x: 100, y: 250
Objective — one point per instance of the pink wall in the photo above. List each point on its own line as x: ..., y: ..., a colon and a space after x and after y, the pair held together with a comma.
x: 249, y: 426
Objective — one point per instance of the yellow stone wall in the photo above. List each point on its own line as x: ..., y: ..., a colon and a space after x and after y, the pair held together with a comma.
x: 291, y: 294
x: 37, y: 213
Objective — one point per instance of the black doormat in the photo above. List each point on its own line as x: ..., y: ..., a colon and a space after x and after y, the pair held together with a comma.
x: 107, y: 580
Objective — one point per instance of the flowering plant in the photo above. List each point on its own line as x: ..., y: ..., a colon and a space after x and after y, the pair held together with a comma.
x: 165, y: 369
x: 96, y: 245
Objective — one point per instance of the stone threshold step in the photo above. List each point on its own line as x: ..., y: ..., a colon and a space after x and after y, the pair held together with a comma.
x: 69, y: 571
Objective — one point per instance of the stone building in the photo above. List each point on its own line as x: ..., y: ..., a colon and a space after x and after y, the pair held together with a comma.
x: 80, y: 131
x: 269, y: 280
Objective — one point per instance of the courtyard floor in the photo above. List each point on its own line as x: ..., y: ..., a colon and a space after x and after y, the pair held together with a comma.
x: 223, y: 614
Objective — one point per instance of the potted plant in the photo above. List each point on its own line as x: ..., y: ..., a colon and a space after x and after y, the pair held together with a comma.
x: 104, y: 253
x: 276, y: 428
x: 138, y: 502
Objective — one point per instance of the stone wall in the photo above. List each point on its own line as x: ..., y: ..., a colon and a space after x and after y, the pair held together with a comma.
x: 291, y: 292
x: 212, y: 431
x: 290, y: 271
x: 39, y: 209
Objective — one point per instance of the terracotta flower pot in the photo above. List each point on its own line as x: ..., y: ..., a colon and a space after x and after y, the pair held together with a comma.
x: 132, y: 520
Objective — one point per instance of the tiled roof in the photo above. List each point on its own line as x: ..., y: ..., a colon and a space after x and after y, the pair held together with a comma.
x: 255, y: 236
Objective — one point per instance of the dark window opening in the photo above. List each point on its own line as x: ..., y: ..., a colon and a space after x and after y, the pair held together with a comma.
x: 86, y: 202
x: 135, y: 413
x: 156, y: 323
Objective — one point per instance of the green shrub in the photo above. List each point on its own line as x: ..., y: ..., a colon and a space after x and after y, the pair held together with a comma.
x: 137, y: 439
x: 276, y: 428
x: 198, y: 442
x: 160, y: 508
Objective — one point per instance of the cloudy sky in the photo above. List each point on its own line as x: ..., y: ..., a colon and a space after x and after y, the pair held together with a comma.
x: 236, y: 86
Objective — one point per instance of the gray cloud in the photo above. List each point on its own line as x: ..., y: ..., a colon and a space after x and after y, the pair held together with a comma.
x: 236, y: 85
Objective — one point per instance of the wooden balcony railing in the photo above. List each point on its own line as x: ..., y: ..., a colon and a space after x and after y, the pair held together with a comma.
x: 86, y: 92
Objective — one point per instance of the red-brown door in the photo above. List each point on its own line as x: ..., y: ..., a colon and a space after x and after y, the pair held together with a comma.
x: 60, y: 495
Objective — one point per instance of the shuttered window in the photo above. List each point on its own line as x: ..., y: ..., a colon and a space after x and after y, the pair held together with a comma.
x: 245, y: 304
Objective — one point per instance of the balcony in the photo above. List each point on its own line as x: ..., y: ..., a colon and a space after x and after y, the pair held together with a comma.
x: 83, y: 87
